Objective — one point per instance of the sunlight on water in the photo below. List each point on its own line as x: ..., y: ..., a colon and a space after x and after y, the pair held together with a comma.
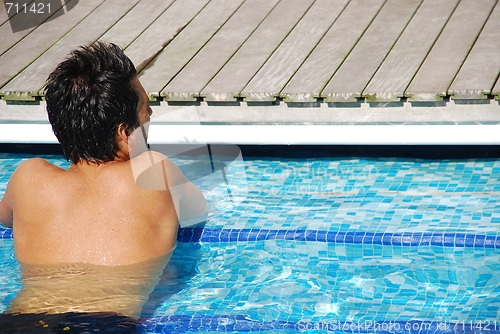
x: 335, y: 282
x: 317, y: 281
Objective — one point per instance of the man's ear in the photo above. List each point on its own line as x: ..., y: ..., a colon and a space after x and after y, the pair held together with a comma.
x: 122, y: 133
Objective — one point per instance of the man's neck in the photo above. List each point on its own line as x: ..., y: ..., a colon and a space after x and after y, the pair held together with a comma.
x: 89, y: 167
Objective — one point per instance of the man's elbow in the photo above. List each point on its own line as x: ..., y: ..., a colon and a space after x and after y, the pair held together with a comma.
x: 193, y: 210
x: 6, y: 216
x: 193, y: 206
x: 194, y: 220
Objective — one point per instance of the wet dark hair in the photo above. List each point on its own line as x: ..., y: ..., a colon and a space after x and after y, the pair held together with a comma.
x: 89, y: 95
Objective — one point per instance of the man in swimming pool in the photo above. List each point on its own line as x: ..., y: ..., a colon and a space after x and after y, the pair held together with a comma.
x: 116, y: 204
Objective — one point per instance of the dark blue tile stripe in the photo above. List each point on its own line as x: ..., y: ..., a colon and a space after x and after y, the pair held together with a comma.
x: 392, y: 239
x: 241, y: 324
x: 5, y: 233
x: 199, y: 234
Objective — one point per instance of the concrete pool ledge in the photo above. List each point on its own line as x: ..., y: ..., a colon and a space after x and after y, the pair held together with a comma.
x: 449, y: 123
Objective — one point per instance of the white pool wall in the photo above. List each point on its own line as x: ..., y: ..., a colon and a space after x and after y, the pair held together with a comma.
x: 445, y: 124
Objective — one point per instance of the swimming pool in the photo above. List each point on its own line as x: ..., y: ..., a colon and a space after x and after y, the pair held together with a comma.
x: 327, y: 244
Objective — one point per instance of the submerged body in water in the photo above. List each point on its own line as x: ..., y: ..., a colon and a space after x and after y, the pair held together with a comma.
x: 96, y: 237
x: 87, y: 288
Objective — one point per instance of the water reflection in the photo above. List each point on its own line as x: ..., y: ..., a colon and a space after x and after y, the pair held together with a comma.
x: 78, y: 287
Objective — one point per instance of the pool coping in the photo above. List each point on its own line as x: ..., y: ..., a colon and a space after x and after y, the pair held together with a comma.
x: 449, y: 123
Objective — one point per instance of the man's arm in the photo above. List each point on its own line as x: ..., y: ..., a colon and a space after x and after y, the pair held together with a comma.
x: 6, y: 213
x: 154, y: 171
x: 18, y: 182
x: 191, y: 204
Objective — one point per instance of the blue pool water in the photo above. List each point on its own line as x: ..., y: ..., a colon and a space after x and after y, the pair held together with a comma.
x: 348, y: 245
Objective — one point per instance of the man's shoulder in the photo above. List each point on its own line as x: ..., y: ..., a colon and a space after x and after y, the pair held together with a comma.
x: 148, y: 170
x: 148, y: 159
x: 30, y: 174
x: 34, y: 167
x: 36, y: 162
x: 151, y: 156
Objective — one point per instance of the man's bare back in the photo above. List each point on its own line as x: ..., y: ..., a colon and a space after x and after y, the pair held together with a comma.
x: 95, y: 240
x: 114, y: 213
x: 91, y: 214
x: 117, y: 205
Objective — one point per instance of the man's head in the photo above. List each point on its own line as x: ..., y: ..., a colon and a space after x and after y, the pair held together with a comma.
x: 90, y: 95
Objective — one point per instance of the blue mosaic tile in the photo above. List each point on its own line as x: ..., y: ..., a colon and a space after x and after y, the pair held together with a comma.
x: 242, y: 324
x: 332, y: 240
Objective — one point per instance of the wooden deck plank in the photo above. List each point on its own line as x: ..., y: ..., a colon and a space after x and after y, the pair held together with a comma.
x: 443, y: 62
x: 307, y: 84
x: 135, y: 22
x: 481, y: 68
x: 32, y: 79
x: 285, y: 61
x: 358, y: 68
x: 178, y: 52
x: 155, y: 38
x: 27, y: 50
x: 187, y: 85
x: 4, y: 17
x: 496, y: 90
x: 240, y: 69
x: 9, y: 39
x: 405, y: 58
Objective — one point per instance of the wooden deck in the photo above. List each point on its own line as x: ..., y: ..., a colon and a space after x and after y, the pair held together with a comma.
x: 320, y: 51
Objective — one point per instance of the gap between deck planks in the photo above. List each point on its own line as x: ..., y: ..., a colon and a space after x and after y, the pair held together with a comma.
x: 444, y: 61
x: 136, y: 22
x: 323, y: 62
x: 287, y: 59
x: 32, y: 79
x: 405, y: 58
x: 257, y: 49
x: 4, y: 16
x: 186, y: 44
x: 188, y: 84
x: 299, y: 50
x: 10, y: 38
x: 359, y: 67
x: 482, y: 66
x: 160, y: 33
x: 35, y: 44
